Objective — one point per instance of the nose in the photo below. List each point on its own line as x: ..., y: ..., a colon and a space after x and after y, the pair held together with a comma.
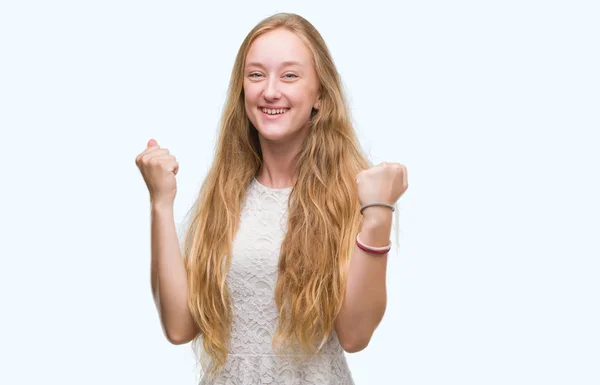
x: 271, y: 91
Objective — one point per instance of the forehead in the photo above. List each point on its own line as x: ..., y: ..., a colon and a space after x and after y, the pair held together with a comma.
x: 277, y: 47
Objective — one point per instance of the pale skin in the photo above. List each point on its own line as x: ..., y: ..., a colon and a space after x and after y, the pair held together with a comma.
x: 279, y: 77
x: 365, y: 298
x: 168, y: 279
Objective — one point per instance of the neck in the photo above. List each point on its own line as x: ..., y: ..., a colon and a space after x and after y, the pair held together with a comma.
x: 278, y: 162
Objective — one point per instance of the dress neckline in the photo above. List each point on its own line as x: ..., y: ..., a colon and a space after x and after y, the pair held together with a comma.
x: 261, y: 186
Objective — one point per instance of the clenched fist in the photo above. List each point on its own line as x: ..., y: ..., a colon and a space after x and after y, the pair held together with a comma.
x: 158, y: 168
x: 385, y: 183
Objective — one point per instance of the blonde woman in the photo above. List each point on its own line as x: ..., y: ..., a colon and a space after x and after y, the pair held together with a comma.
x: 283, y: 266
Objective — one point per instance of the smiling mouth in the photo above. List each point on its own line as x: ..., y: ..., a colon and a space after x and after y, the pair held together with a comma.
x: 274, y: 111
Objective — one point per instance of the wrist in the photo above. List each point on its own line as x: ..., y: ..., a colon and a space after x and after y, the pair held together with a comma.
x: 377, y: 216
x: 375, y: 231
x: 162, y: 206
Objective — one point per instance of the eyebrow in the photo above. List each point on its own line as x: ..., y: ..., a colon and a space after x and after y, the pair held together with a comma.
x: 284, y: 64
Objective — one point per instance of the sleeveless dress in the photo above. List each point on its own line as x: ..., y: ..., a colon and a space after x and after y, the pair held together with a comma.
x: 251, y: 281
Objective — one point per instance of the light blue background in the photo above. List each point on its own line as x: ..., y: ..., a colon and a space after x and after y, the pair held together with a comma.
x: 493, y: 107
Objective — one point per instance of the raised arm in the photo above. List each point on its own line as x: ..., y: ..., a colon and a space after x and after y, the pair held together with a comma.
x: 168, y: 278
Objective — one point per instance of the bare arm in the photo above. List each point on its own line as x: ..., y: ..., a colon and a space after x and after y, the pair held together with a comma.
x: 365, y: 298
x: 168, y: 277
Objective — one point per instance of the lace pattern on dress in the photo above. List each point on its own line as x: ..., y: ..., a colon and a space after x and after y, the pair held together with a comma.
x: 251, y: 281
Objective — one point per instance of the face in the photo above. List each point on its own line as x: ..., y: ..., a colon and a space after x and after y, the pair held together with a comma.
x: 280, y: 85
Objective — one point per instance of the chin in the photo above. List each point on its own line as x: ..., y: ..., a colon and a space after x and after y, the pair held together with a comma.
x: 273, y: 131
x: 273, y: 135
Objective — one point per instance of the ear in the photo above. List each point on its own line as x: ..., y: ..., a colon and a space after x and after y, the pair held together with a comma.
x: 317, y: 104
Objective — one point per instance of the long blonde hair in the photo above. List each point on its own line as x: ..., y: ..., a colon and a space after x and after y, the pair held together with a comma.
x: 323, y: 210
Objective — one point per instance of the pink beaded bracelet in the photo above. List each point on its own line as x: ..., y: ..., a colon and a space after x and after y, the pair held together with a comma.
x: 371, y: 249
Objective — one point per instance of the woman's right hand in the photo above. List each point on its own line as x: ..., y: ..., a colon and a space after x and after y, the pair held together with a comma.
x: 158, y: 168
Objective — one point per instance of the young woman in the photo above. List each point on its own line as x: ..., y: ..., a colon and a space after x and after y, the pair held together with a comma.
x: 284, y: 261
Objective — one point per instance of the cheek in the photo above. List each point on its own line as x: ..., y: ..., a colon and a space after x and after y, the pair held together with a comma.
x: 304, y: 96
x: 298, y: 97
x: 250, y: 94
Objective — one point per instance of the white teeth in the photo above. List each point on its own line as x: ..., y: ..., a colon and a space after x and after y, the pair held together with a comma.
x: 273, y: 112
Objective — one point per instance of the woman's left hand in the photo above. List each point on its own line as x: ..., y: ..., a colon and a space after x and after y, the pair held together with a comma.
x: 385, y: 183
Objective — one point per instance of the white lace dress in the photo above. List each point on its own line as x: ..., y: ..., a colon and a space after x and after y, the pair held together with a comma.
x: 251, y: 280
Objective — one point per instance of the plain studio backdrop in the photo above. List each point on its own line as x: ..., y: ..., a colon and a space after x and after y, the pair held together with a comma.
x: 492, y: 106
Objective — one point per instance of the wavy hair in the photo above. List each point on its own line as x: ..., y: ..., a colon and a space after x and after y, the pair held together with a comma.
x: 323, y: 210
